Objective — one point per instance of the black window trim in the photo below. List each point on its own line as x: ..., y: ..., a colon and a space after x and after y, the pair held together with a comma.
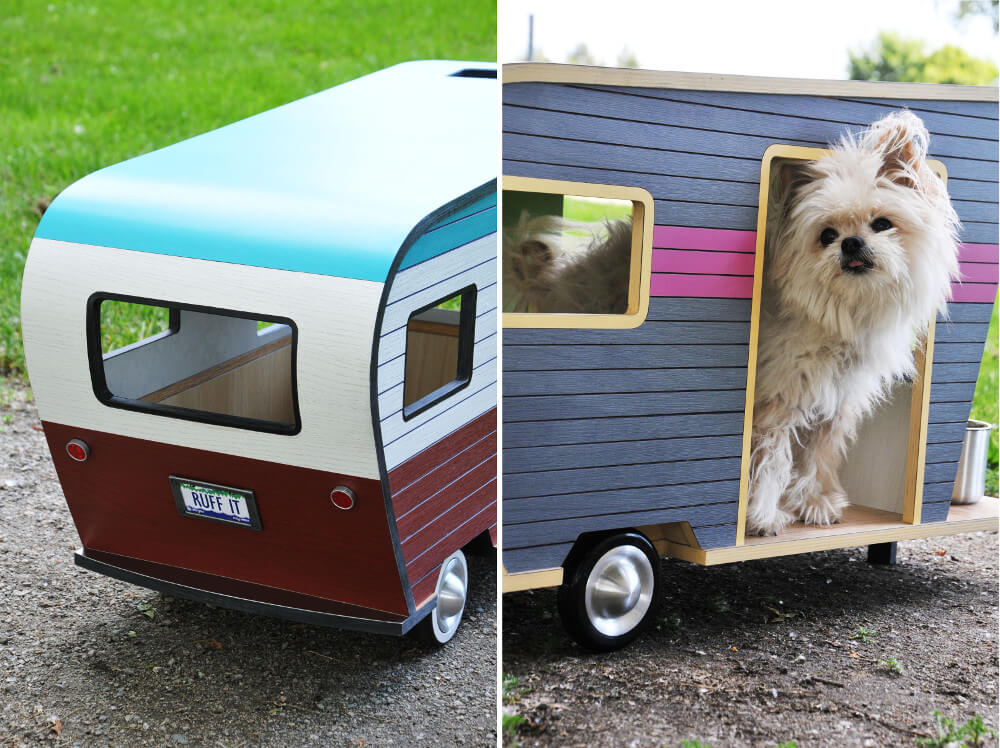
x: 95, y: 355
x: 466, y: 348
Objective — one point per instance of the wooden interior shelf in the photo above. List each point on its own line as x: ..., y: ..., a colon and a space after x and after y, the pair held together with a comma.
x: 256, y: 384
x: 855, y: 519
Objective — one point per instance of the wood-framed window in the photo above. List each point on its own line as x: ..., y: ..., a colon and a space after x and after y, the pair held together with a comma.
x: 588, y: 247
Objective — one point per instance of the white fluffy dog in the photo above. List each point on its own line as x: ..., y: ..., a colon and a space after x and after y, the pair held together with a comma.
x: 860, y: 255
x: 551, y: 264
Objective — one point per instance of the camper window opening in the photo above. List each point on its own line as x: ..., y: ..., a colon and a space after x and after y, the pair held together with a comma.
x: 440, y: 339
x: 573, y: 254
x: 224, y: 367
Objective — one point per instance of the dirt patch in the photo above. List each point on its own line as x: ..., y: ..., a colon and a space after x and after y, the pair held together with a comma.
x: 823, y: 649
x: 87, y: 660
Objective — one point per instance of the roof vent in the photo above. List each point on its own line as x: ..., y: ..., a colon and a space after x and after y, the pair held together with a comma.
x: 475, y: 73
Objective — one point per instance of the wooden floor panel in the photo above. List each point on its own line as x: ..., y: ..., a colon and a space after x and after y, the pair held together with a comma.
x: 859, y: 526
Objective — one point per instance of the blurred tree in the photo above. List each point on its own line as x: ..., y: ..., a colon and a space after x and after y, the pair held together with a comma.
x: 892, y: 58
x: 627, y: 59
x: 989, y: 8
x: 581, y: 56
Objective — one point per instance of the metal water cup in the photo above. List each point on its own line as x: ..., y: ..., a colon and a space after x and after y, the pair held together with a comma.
x: 970, y: 483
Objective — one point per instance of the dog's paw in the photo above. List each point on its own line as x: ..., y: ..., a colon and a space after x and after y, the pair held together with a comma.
x: 771, y: 523
x: 823, y: 509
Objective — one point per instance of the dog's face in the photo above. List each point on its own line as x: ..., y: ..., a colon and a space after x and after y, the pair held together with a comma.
x: 865, y: 237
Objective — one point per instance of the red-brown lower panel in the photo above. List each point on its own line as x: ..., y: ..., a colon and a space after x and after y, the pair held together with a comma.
x: 444, y: 497
x: 426, y: 461
x: 236, y: 588
x: 423, y: 589
x: 435, y: 554
x: 121, y: 502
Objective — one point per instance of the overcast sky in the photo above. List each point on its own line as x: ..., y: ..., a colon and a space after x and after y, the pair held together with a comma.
x: 783, y: 38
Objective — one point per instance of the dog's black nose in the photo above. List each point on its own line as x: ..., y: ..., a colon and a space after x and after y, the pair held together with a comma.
x: 851, y: 245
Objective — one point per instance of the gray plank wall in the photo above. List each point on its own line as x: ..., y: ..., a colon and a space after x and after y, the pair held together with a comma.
x: 618, y: 428
x: 591, y: 440
x: 698, y: 153
x: 958, y: 351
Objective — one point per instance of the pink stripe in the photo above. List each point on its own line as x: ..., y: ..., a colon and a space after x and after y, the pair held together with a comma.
x: 714, y: 286
x: 690, y: 261
x: 973, y: 252
x: 977, y: 292
x: 713, y: 240
x: 971, y: 272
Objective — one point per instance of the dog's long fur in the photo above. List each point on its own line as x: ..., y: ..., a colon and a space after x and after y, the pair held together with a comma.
x: 548, y: 267
x: 833, y: 338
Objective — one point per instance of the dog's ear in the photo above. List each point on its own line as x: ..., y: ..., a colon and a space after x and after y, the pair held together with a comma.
x: 787, y: 177
x: 901, y: 139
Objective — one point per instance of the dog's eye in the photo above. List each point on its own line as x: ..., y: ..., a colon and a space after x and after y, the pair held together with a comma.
x: 881, y: 224
x: 827, y: 236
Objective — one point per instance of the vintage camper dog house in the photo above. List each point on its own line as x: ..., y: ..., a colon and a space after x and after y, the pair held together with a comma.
x: 312, y: 435
x: 628, y: 433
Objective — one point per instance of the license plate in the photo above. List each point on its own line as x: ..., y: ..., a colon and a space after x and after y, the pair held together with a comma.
x: 234, y: 506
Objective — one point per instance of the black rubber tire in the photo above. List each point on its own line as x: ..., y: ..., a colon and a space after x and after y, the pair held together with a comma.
x: 572, y: 594
x: 424, y: 633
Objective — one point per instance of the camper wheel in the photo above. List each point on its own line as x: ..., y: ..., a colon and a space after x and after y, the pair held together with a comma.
x: 440, y: 625
x: 611, y: 591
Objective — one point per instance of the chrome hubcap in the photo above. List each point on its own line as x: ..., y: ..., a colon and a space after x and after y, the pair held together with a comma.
x: 619, y: 590
x: 451, y: 598
x: 452, y: 587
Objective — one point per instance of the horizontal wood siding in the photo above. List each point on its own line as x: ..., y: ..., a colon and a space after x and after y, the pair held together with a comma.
x: 699, y: 153
x: 616, y: 428
x: 576, y: 401
x: 575, y: 396
x: 413, y: 288
x: 443, y: 497
x: 698, y: 262
x: 441, y: 462
x: 465, y: 225
x: 622, y: 356
x: 695, y: 262
x: 610, y: 454
x: 958, y: 351
x: 936, y: 511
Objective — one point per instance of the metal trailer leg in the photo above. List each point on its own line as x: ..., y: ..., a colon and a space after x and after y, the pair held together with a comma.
x: 882, y: 553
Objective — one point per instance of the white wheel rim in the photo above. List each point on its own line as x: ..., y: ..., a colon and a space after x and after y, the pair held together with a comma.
x: 619, y: 590
x: 452, y: 590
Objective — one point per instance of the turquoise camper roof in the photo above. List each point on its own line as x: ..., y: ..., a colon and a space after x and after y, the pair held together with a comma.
x: 329, y: 184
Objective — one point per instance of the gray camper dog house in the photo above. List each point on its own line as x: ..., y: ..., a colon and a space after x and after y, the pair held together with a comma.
x: 626, y: 437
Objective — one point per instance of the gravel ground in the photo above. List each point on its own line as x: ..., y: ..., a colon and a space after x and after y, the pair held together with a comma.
x: 763, y: 652
x: 82, y: 664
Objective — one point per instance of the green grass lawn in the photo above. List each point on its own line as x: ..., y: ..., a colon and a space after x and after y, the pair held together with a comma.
x: 597, y: 209
x: 85, y: 85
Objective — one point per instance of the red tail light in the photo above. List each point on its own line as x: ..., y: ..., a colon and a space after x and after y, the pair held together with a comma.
x: 78, y: 450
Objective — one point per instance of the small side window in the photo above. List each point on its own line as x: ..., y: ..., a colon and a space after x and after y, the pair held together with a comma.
x: 574, y: 254
x: 194, y: 363
x: 440, y: 339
